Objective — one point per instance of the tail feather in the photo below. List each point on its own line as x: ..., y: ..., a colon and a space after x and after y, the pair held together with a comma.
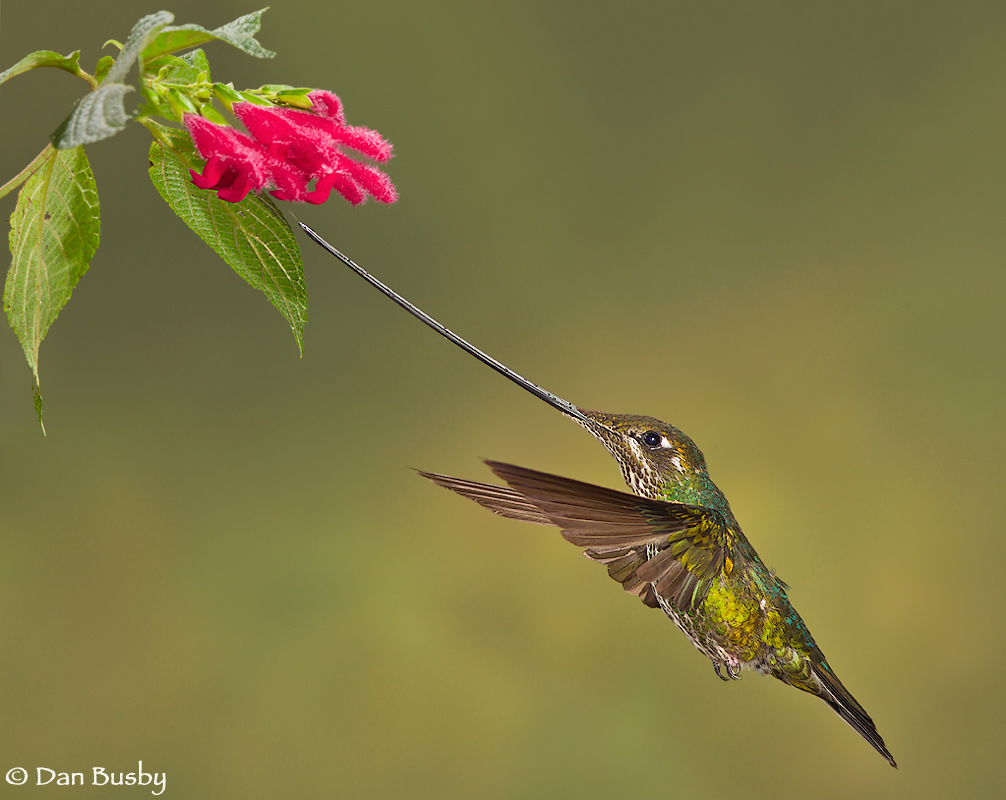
x: 838, y: 697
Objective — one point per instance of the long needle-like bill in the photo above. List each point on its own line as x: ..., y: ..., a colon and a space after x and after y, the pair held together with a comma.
x: 553, y: 400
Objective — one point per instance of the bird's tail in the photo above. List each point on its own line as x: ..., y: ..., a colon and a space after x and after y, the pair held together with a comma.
x: 830, y: 689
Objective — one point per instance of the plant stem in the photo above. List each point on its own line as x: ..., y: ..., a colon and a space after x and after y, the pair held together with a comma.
x: 24, y: 174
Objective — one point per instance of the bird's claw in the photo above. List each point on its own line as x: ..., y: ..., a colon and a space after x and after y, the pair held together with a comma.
x: 733, y: 670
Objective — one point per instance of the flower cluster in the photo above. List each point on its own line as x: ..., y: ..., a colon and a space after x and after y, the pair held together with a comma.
x: 287, y: 149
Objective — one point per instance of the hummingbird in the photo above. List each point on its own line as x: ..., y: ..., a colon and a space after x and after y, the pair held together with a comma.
x: 673, y: 541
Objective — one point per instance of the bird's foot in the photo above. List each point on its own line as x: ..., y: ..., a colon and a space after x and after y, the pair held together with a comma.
x: 733, y: 670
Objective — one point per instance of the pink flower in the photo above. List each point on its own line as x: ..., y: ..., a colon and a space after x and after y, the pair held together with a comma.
x: 287, y: 149
x: 235, y: 164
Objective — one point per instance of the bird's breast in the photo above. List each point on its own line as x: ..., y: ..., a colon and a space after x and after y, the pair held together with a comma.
x: 739, y: 619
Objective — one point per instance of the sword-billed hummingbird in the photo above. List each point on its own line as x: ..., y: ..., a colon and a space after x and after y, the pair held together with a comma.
x: 673, y: 542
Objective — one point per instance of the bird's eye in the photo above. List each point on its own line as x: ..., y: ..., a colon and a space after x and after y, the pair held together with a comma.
x: 652, y: 438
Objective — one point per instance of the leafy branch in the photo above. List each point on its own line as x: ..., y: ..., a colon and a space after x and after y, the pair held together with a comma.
x: 298, y: 139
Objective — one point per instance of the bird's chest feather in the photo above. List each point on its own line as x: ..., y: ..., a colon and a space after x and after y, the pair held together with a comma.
x: 735, y: 621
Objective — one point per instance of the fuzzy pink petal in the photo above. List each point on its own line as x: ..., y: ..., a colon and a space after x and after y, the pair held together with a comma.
x: 291, y: 183
x: 237, y: 191
x: 286, y: 139
x: 211, y: 139
x: 348, y: 188
x: 278, y: 150
x: 373, y: 181
x: 298, y: 137
x: 367, y: 141
x: 235, y: 163
x: 322, y: 189
x: 328, y: 105
x: 212, y: 172
x: 310, y: 160
x: 289, y: 147
x: 265, y: 123
x: 310, y: 125
x: 318, y: 128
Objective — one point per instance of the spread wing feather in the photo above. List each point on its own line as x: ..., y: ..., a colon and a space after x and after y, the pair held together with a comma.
x: 651, y: 547
x: 499, y: 499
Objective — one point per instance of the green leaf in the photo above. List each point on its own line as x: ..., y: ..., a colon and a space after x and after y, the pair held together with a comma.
x: 97, y: 116
x: 143, y: 32
x: 179, y: 70
x: 198, y: 61
x: 54, y: 233
x: 240, y: 33
x: 102, y: 68
x: 102, y: 113
x: 252, y: 236
x: 38, y: 405
x: 44, y: 58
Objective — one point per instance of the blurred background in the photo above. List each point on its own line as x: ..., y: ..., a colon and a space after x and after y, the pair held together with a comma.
x: 778, y: 226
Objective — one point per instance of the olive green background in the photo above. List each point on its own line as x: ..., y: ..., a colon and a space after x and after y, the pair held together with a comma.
x: 780, y: 226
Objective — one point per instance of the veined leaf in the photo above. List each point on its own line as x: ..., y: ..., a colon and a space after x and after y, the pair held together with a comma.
x: 54, y: 234
x: 44, y: 58
x: 97, y: 116
x: 102, y: 113
x: 240, y: 33
x: 143, y: 32
x: 252, y: 236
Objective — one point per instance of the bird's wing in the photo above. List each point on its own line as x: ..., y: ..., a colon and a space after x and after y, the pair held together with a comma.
x: 500, y: 500
x: 620, y: 530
